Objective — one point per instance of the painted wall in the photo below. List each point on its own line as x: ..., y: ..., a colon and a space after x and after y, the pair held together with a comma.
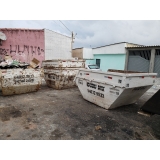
x: 57, y: 46
x: 23, y: 44
x: 90, y: 61
x: 110, y: 61
x: 87, y: 53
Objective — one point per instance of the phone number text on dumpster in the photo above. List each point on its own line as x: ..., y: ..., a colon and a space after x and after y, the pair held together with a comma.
x: 96, y: 93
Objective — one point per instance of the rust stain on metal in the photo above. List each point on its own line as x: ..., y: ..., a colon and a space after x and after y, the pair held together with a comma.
x: 59, y: 74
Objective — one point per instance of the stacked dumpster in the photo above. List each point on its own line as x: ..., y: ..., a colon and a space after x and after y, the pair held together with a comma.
x: 60, y: 73
x: 113, y: 88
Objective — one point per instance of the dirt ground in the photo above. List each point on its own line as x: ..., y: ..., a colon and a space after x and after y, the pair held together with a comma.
x: 63, y: 114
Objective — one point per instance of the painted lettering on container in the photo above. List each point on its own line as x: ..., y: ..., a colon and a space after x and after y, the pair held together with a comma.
x: 91, y: 85
x: 23, y: 78
x: 114, y: 91
x: 80, y: 81
x: 95, y: 93
x: 101, y: 88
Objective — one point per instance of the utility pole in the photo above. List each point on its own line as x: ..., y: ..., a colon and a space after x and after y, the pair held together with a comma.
x: 73, y: 37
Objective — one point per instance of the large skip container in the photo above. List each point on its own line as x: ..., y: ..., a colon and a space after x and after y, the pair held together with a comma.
x: 18, y: 81
x: 60, y: 74
x: 113, y: 88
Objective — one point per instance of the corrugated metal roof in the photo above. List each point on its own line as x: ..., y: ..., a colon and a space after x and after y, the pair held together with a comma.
x: 144, y: 46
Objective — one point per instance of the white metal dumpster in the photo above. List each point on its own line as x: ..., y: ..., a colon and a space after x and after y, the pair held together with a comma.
x: 17, y: 81
x: 113, y: 88
x: 60, y: 74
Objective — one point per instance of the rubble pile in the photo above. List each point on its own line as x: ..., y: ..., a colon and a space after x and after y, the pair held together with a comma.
x: 9, y: 63
x: 13, y: 64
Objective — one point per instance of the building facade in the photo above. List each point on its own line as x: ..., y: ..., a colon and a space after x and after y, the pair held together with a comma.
x: 125, y: 56
x: 110, y: 56
x: 106, y: 57
x: 57, y: 46
x: 42, y: 44
x: 82, y: 53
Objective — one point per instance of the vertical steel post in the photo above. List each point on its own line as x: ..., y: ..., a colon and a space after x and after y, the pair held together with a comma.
x: 126, y: 60
x: 151, y: 66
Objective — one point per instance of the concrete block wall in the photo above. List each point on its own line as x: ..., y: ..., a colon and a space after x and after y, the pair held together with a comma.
x: 57, y: 46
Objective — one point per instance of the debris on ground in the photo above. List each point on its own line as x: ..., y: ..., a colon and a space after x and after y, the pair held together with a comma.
x: 144, y: 113
x: 98, y: 128
x: 34, y: 63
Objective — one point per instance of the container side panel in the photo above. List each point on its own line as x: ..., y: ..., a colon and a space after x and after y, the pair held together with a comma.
x: 18, y: 81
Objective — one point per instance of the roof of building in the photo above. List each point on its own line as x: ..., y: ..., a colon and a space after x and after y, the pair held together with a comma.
x: 143, y: 46
x: 117, y: 43
x: 78, y: 48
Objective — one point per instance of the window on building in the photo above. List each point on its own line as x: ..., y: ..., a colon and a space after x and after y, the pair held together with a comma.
x: 98, y: 62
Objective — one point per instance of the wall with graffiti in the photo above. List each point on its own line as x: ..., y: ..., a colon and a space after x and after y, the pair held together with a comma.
x: 23, y: 44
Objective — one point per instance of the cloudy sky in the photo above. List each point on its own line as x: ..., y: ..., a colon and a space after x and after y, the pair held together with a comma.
x: 94, y: 33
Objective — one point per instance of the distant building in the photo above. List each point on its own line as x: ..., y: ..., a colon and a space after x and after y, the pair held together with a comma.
x: 125, y: 56
x: 42, y: 44
x: 83, y: 53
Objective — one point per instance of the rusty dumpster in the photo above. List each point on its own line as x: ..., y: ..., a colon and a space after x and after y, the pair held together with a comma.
x: 60, y: 74
x: 18, y: 81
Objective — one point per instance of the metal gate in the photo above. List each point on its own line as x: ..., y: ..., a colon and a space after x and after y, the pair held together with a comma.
x: 139, y: 61
x: 157, y: 63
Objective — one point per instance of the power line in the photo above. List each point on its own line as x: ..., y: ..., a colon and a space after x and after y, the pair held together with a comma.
x: 67, y: 29
x: 65, y: 26
x: 58, y: 24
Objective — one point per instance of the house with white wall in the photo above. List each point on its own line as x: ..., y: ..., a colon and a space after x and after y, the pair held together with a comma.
x: 106, y: 57
x: 124, y: 56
